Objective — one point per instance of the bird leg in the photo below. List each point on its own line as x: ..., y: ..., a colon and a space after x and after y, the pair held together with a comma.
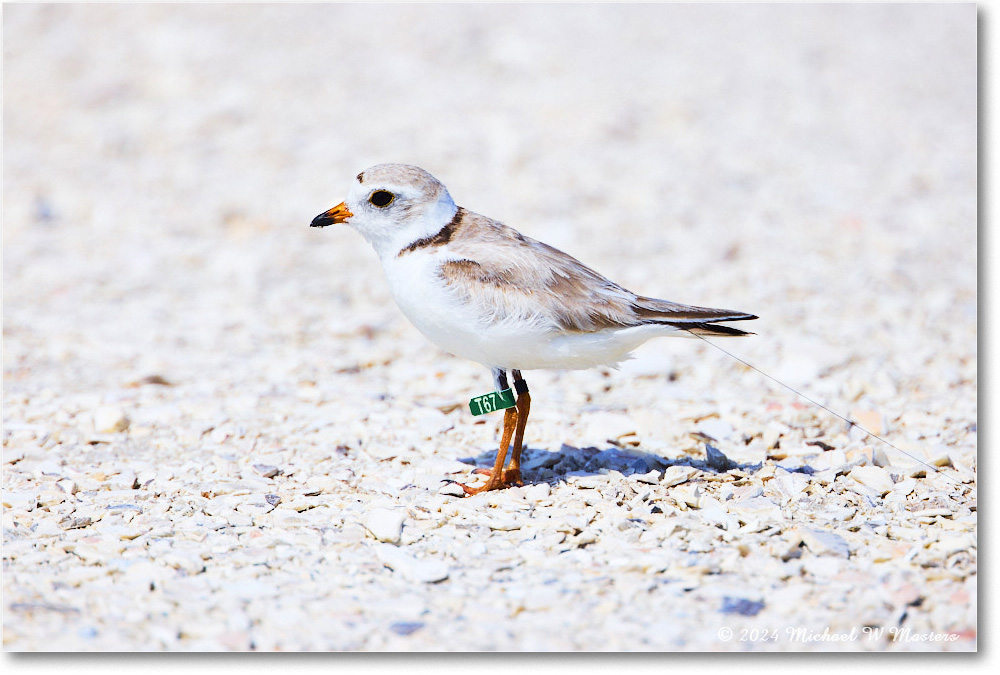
x: 512, y: 475
x: 514, y: 421
x: 496, y: 474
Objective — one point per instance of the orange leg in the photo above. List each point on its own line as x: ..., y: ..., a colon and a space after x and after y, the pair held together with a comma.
x: 512, y: 476
x: 514, y: 421
x: 496, y: 474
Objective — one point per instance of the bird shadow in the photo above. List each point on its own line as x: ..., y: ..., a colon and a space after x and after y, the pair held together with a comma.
x: 548, y: 466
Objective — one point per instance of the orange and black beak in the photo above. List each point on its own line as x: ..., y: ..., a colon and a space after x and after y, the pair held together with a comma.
x: 338, y: 214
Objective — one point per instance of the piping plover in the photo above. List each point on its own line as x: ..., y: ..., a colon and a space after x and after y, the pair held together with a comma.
x: 482, y: 290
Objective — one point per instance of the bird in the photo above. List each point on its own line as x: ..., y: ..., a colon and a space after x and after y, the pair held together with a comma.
x: 481, y: 290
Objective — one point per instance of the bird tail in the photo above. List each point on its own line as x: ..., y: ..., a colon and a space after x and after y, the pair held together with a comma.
x: 713, y: 329
x: 695, y: 320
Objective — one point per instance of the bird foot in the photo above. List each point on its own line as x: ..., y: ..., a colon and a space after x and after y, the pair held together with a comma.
x: 508, y: 478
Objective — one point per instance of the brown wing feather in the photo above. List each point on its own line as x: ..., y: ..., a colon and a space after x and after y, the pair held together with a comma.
x: 514, y: 275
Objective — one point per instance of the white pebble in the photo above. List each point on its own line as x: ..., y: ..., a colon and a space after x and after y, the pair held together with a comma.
x: 503, y: 522
x: 68, y: 486
x: 820, y: 542
x: 590, y: 482
x: 714, y: 513
x: 675, y: 475
x: 790, y: 484
x: 716, y: 428
x: 537, y: 491
x: 687, y: 494
x: 452, y: 489
x: 651, y: 478
x: 386, y: 524
x: 47, y: 528
x: 110, y: 419
x: 874, y: 477
x: 20, y: 500
x: 424, y: 571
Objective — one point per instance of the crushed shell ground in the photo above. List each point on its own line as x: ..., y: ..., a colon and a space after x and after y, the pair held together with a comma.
x: 220, y: 434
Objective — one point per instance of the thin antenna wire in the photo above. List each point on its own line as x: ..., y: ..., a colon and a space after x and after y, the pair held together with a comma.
x: 832, y: 412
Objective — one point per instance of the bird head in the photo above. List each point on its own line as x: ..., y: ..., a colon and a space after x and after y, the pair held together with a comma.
x: 392, y: 205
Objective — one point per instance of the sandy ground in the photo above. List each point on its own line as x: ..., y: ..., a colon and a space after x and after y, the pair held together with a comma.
x: 220, y: 433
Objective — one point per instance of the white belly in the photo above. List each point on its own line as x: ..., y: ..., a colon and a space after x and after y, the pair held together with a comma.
x: 461, y: 329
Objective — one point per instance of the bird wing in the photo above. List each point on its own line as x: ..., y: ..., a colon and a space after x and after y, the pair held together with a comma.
x: 511, y: 276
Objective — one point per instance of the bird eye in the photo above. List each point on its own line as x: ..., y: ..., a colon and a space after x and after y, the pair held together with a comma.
x: 381, y: 198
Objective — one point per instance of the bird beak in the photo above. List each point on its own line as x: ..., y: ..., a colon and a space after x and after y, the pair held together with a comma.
x: 338, y: 214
